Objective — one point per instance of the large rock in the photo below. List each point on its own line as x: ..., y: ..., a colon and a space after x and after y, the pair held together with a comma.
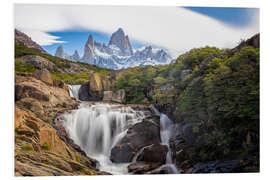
x: 37, y: 61
x: 107, y: 95
x: 98, y: 84
x: 27, y: 41
x: 85, y: 94
x: 44, y: 75
x: 165, y: 169
x: 118, y: 96
x: 23, y: 91
x: 138, y: 136
x: 142, y: 167
x: 154, y: 153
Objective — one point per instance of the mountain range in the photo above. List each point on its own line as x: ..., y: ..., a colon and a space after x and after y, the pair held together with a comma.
x: 118, y: 54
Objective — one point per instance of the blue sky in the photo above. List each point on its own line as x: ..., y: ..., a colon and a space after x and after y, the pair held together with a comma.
x: 176, y: 29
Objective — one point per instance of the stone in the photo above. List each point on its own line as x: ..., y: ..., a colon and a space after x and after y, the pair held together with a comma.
x: 44, y: 75
x: 37, y: 61
x: 99, y: 83
x: 154, y: 153
x: 138, y: 136
x: 142, y: 167
x: 27, y: 41
x: 119, y: 96
x: 23, y: 91
x: 107, y: 95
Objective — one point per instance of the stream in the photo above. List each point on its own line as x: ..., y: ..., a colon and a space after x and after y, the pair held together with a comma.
x: 98, y: 127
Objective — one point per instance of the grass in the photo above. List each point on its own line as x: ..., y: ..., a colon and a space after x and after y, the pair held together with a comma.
x: 21, y: 50
x: 25, y: 68
x: 27, y: 147
x: 76, y: 78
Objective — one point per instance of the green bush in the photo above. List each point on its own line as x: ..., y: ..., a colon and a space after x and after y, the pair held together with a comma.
x: 27, y: 147
x: 77, y: 157
x: 46, y: 146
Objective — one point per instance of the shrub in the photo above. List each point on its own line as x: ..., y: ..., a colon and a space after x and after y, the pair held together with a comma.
x: 77, y: 157
x: 46, y: 146
x: 27, y: 147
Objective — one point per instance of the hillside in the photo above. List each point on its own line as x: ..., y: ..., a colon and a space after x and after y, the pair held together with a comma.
x: 211, y: 94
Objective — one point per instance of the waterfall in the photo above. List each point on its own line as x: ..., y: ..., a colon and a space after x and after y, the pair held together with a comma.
x: 166, y: 132
x: 98, y: 128
x: 74, y: 91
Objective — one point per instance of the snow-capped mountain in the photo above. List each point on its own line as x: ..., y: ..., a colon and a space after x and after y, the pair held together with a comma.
x: 119, y: 54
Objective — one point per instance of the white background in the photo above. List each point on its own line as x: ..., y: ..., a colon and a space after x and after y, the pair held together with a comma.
x: 7, y: 84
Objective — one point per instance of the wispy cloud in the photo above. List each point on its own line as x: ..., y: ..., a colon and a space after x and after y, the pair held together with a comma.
x: 174, y: 28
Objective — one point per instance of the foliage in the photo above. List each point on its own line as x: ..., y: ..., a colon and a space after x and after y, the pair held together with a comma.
x: 46, y: 146
x: 21, y: 50
x: 27, y: 147
x: 76, y: 78
x: 77, y: 157
x: 25, y: 68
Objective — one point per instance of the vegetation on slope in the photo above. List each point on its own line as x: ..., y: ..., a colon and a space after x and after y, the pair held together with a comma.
x: 216, y: 91
x: 61, y: 64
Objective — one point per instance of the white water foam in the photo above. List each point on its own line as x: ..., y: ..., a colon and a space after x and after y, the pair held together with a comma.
x: 98, y: 128
x: 74, y: 91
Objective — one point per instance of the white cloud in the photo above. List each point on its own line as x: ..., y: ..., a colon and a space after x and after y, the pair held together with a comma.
x: 176, y: 29
x: 42, y: 38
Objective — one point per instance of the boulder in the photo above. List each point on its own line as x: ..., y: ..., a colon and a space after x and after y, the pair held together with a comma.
x: 23, y: 91
x: 37, y: 61
x: 44, y: 75
x: 154, y: 153
x: 142, y: 167
x: 138, y: 136
x: 119, y: 96
x: 165, y: 169
x: 99, y: 83
x: 85, y: 94
x: 107, y: 95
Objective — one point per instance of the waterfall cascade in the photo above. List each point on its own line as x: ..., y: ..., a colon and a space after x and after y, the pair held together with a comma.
x: 166, y: 132
x: 74, y: 91
x: 98, y: 128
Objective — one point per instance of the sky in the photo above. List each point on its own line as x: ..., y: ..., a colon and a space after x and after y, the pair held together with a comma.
x: 176, y: 29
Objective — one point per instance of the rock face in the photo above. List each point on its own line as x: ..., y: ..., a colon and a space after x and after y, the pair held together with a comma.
x: 138, y: 136
x: 93, y: 90
x: 44, y: 75
x: 61, y: 54
x: 154, y: 153
x: 98, y: 84
x: 119, y: 54
x: 89, y: 49
x: 37, y: 61
x: 121, y: 41
x: 142, y: 167
x: 107, y: 95
x: 118, y: 96
x: 39, y: 148
x: 75, y: 56
x: 27, y: 41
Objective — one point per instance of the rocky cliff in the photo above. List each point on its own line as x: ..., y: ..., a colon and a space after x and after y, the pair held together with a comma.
x: 27, y: 41
x: 39, y: 149
x: 118, y: 54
